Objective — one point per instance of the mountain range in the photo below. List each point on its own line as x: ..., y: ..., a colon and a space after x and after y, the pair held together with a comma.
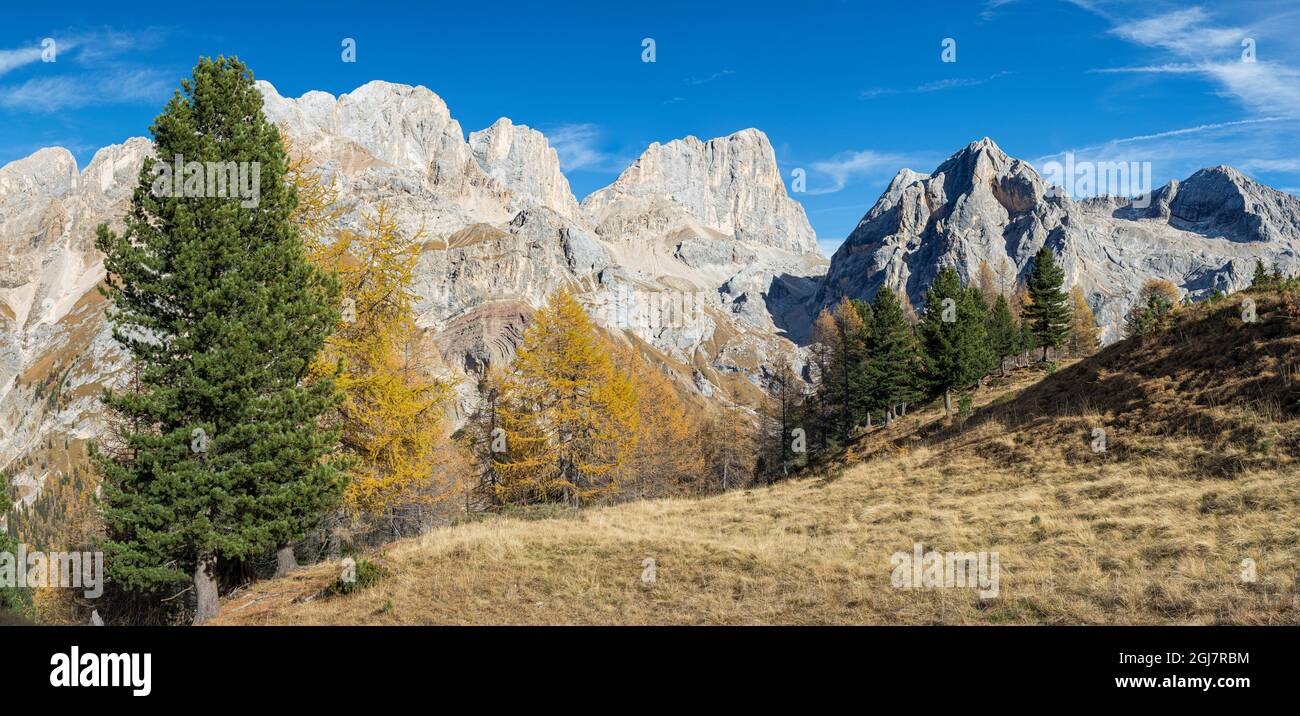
x: 695, y: 255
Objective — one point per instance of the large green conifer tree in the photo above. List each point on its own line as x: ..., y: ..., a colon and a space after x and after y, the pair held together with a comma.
x: 892, y: 364
x: 221, y: 455
x: 956, y: 353
x: 1048, y: 313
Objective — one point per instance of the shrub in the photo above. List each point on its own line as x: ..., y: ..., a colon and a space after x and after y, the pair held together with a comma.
x: 367, y: 575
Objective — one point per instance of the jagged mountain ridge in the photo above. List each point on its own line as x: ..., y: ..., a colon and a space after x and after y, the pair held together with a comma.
x: 708, y: 221
x: 499, y: 229
x: 1203, y: 233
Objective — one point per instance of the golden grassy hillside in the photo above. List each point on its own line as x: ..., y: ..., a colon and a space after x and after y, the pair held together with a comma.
x: 1199, y: 473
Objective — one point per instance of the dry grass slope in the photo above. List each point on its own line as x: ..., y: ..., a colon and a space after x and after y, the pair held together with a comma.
x: 1199, y: 474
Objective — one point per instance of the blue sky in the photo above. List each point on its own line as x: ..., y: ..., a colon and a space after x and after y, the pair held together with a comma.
x: 850, y: 92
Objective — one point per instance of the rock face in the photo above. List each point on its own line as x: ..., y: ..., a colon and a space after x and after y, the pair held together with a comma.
x: 695, y: 254
x: 521, y: 159
x: 1202, y: 234
x: 55, y: 349
x: 730, y: 185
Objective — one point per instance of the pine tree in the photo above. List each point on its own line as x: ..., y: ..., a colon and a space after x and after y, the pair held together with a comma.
x: 1048, y: 314
x: 1028, y: 342
x: 1003, y: 334
x: 1262, y: 280
x: 9, y: 600
x: 1083, y: 326
x: 568, y: 412
x: 213, y: 298
x: 892, y: 363
x: 956, y: 353
x: 843, y: 391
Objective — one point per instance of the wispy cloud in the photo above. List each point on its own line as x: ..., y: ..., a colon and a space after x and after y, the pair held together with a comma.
x: 52, y: 94
x: 935, y: 86
x: 844, y: 167
x: 710, y: 78
x: 18, y: 57
x: 1195, y: 43
x: 991, y: 7
x: 1272, y: 165
x: 1167, y: 134
x: 103, y: 78
x: 579, y: 147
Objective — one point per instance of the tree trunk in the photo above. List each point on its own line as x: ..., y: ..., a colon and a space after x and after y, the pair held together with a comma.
x: 1044, y: 353
x: 947, y: 403
x: 285, y: 561
x: 205, y: 589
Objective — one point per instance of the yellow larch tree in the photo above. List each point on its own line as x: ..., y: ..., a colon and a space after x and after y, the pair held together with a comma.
x: 1084, y: 332
x: 391, y: 417
x: 668, y: 457
x: 567, y: 410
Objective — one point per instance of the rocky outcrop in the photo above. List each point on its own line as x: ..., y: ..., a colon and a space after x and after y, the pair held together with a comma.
x: 521, y: 159
x: 730, y: 185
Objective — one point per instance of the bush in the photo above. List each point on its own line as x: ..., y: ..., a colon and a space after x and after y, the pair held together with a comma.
x: 367, y: 574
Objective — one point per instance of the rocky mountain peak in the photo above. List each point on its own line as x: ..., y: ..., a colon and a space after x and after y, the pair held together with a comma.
x: 520, y: 158
x: 981, y: 206
x: 730, y: 184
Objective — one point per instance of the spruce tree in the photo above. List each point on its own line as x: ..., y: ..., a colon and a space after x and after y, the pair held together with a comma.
x: 859, y: 383
x: 1048, y: 313
x: 9, y: 600
x: 212, y: 297
x: 1262, y: 280
x: 956, y: 354
x: 1027, y: 342
x: 1003, y: 334
x: 892, y: 359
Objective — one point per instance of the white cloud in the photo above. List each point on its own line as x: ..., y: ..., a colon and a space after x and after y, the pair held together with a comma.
x: 710, y: 78
x: 846, y: 166
x: 1197, y: 44
x: 60, y: 92
x: 1272, y: 165
x: 577, y: 145
x: 13, y: 59
x: 935, y: 86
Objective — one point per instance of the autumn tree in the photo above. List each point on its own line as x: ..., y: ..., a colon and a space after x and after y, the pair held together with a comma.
x: 567, y: 411
x: 1151, y: 307
x: 1084, y: 333
x: 667, y: 455
x: 729, y: 440
x: 987, y: 284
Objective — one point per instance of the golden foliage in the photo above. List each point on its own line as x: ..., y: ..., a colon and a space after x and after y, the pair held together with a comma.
x: 568, y: 411
x: 391, y: 417
x: 1084, y: 332
x: 668, y: 456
